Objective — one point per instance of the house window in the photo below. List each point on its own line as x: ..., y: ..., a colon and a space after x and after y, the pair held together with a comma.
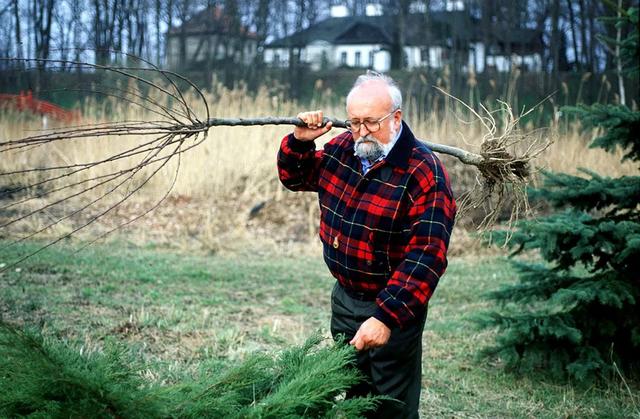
x: 424, y: 55
x: 371, y: 58
x: 276, y: 59
x: 343, y: 58
x: 324, y: 61
x: 357, y: 59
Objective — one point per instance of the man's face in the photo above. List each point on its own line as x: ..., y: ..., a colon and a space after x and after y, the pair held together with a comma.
x: 371, y: 102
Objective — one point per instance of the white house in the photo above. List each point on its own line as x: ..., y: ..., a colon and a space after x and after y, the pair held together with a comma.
x: 366, y: 41
x: 207, y: 38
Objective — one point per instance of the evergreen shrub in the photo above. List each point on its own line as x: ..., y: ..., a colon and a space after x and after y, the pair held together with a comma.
x: 576, y: 313
x: 43, y: 378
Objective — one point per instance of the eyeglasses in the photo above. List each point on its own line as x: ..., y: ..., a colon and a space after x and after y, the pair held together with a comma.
x: 372, y: 125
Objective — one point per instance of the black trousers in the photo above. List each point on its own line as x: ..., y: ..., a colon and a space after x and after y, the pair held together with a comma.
x: 393, y: 370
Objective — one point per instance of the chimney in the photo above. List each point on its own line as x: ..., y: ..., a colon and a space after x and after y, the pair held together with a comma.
x: 373, y: 9
x: 339, y: 11
x: 417, y: 7
x: 454, y: 5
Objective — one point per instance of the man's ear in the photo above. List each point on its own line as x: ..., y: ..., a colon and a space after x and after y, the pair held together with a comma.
x: 397, y: 118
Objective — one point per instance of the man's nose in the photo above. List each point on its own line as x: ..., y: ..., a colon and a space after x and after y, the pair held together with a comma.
x: 366, y: 130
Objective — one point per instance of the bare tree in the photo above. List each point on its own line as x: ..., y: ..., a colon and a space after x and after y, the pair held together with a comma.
x: 157, y: 19
x: 105, y: 13
x: 555, y: 40
x: 230, y: 27
x: 583, y: 35
x: 399, y: 9
x: 64, y: 26
x: 85, y: 191
x: 574, y: 38
x: 488, y: 10
x: 18, y: 33
x: 136, y: 25
x: 427, y: 30
x: 77, y: 6
x: 592, y: 12
x: 184, y: 12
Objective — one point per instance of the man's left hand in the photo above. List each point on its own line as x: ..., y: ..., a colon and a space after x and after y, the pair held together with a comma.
x: 371, y: 334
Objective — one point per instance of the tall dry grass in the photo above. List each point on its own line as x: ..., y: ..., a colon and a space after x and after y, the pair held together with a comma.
x: 226, y: 192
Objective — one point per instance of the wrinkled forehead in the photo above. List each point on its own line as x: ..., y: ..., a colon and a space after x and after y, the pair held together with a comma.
x: 370, y: 99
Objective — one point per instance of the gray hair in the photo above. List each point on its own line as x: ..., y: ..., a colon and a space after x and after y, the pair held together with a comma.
x: 394, y: 90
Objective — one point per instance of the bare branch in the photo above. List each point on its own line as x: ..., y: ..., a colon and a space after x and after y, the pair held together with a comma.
x: 503, y: 171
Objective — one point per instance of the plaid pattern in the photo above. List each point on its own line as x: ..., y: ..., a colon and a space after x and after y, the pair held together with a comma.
x: 384, y: 234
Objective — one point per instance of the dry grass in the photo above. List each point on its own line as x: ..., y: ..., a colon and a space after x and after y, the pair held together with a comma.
x: 227, y: 195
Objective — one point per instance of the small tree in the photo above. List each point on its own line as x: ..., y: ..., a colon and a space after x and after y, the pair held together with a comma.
x: 577, y: 314
x: 44, y: 378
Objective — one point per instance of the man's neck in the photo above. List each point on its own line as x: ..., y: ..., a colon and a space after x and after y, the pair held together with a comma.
x: 388, y: 146
x: 366, y: 163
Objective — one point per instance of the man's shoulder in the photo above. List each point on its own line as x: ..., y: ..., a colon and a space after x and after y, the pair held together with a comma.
x: 341, y: 143
x: 343, y: 140
x: 425, y: 165
x: 423, y: 158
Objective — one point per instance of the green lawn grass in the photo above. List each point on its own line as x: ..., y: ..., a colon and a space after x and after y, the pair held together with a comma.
x: 178, y: 310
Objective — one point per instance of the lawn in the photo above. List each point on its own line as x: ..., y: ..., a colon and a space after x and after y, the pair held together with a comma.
x: 177, y: 310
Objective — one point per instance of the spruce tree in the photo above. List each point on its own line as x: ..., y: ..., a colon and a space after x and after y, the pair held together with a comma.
x: 44, y: 378
x: 576, y: 314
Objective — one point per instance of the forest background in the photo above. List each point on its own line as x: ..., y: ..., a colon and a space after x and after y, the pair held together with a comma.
x: 230, y: 246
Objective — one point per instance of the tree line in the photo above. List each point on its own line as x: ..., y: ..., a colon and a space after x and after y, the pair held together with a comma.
x: 87, y: 30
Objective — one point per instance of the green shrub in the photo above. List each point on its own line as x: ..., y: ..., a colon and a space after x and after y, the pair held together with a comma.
x: 44, y: 378
x: 578, y: 314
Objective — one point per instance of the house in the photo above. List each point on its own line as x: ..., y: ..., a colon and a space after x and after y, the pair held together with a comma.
x: 210, y: 37
x: 367, y: 41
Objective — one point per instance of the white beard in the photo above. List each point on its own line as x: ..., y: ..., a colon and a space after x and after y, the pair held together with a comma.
x: 369, y: 148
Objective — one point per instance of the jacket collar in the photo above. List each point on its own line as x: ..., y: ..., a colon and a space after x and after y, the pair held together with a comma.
x: 401, y: 151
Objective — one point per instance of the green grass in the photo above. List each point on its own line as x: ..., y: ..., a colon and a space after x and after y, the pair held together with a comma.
x: 177, y: 311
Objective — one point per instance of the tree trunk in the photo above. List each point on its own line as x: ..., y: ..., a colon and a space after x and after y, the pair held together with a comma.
x: 262, y: 19
x: 157, y: 18
x: 397, y: 50
x: 427, y: 31
x: 488, y: 9
x: 76, y: 11
x: 611, y: 32
x: 42, y: 13
x: 572, y: 23
x: 508, y: 43
x: 583, y: 36
x: 16, y: 16
x: 141, y: 28
x: 619, y: 59
x: 555, y: 42
x: 592, y: 36
x: 183, y: 33
x: 104, y: 28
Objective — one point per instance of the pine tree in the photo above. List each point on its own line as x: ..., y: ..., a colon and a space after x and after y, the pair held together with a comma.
x: 577, y: 313
x: 45, y: 378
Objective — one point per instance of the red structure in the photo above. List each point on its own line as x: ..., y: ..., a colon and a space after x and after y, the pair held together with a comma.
x: 26, y: 102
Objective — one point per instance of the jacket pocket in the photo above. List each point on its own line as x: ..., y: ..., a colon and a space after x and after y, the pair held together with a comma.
x: 380, y: 255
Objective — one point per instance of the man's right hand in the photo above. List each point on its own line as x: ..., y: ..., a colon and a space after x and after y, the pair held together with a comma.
x: 314, y: 128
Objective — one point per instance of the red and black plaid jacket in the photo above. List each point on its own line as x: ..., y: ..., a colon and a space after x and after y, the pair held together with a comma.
x: 384, y: 234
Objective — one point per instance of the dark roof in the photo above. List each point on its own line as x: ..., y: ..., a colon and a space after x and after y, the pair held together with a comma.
x: 363, y: 33
x: 212, y: 20
x: 444, y: 28
x: 522, y: 40
x: 381, y: 30
x: 326, y: 30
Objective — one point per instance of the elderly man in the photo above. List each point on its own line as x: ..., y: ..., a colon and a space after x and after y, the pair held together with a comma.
x: 386, y: 214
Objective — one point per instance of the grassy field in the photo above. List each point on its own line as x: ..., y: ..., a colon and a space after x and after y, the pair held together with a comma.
x: 177, y: 310
x: 229, y: 265
x: 221, y: 181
